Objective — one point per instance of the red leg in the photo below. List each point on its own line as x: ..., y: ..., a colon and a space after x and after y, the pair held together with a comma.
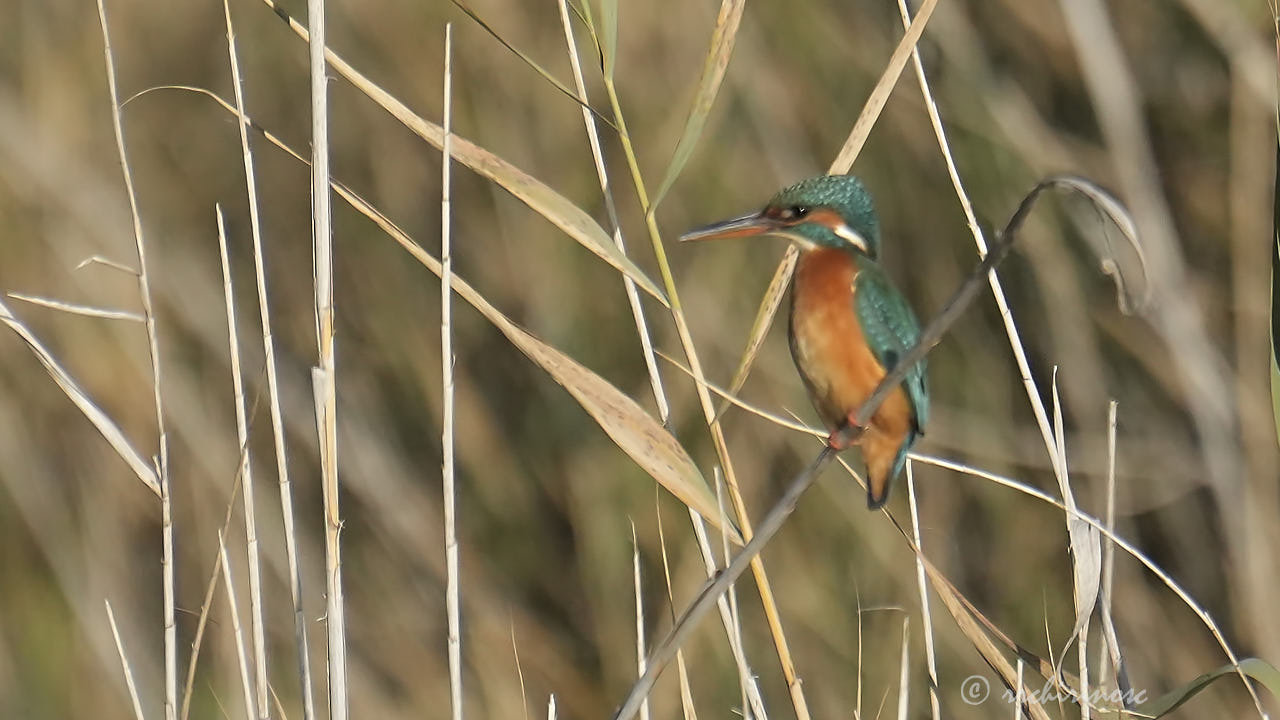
x: 847, y: 435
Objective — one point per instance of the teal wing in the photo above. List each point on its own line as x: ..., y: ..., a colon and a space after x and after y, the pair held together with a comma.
x: 891, y: 329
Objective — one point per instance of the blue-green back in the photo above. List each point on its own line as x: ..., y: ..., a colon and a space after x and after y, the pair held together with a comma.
x: 891, y: 329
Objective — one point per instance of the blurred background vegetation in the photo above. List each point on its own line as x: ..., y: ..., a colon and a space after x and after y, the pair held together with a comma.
x: 545, y: 499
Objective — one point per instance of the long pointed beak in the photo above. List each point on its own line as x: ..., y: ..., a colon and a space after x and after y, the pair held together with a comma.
x: 745, y: 226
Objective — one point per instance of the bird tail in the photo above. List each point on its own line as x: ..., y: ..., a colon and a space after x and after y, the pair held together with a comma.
x: 884, y: 460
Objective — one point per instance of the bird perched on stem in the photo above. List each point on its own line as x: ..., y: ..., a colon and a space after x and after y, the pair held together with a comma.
x: 849, y: 324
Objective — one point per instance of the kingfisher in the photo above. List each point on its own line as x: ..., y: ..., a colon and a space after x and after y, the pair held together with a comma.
x: 849, y: 325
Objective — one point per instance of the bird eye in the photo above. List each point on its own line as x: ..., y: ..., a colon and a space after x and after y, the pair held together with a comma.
x: 799, y: 211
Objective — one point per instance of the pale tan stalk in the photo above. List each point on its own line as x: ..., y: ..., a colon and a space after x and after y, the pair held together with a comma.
x: 904, y: 676
x: 124, y: 663
x: 324, y: 377
x: 153, y: 349
x: 74, y: 309
x: 237, y: 633
x: 640, y: 645
x: 452, y: 590
x: 273, y: 395
x: 926, y: 619
x: 246, y: 478
x: 686, y: 692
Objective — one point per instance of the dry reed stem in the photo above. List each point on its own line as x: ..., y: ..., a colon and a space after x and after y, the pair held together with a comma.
x: 452, y: 589
x: 241, y: 654
x: 124, y: 663
x: 640, y: 645
x: 904, y: 667
x: 746, y: 679
x: 210, y: 589
x: 74, y: 309
x: 597, y: 155
x: 198, y: 641
x: 515, y: 649
x: 324, y: 377
x: 273, y: 390
x: 153, y: 350
x: 246, y: 479
x: 926, y: 619
x: 686, y: 693
x: 1112, y: 642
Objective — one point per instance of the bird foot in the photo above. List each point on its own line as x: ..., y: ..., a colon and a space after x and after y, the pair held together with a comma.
x: 847, y: 435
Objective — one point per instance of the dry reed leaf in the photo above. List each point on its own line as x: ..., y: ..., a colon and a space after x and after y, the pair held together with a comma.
x: 524, y: 57
x: 971, y: 630
x: 608, y: 35
x: 562, y: 213
x: 713, y: 70
x: 769, y: 305
x: 105, y: 425
x: 880, y: 93
x: 635, y: 431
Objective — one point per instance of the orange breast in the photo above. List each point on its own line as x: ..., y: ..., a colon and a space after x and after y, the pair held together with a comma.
x: 830, y: 350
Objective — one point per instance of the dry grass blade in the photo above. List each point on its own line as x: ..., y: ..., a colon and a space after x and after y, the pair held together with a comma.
x: 635, y: 431
x: 1086, y: 558
x: 608, y: 36
x: 971, y: 630
x: 105, y: 425
x: 527, y: 59
x: 124, y: 663
x: 880, y: 93
x: 768, y: 309
x: 737, y: 402
x: 74, y: 309
x: 713, y: 70
x: 539, y: 197
x: 926, y: 619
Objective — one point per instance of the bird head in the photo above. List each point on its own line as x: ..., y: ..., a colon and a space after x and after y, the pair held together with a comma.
x: 833, y: 211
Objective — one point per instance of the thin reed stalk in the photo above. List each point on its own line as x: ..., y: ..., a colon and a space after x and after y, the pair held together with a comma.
x: 452, y: 581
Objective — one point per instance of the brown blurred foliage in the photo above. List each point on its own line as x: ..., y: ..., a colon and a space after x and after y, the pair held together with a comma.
x: 545, y: 498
